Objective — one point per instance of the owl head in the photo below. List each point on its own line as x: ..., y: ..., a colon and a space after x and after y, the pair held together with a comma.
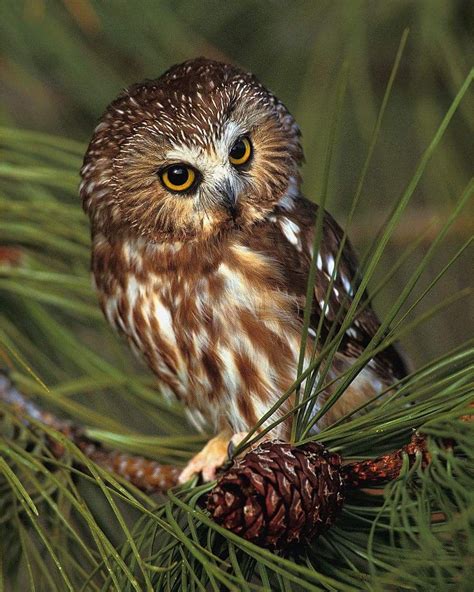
x: 200, y: 151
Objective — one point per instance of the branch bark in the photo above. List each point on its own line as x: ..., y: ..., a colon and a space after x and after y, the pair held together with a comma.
x: 148, y: 475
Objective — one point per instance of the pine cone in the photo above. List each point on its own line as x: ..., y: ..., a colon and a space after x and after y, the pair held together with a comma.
x: 279, y: 495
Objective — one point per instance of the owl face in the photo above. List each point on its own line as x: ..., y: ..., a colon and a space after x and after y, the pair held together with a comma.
x: 200, y: 151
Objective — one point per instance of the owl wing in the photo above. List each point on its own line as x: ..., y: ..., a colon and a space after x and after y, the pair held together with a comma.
x: 296, y: 229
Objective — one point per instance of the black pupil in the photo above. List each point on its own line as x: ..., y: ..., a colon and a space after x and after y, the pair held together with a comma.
x: 178, y: 175
x: 238, y: 150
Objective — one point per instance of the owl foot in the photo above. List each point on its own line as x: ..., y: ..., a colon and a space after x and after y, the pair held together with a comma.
x: 211, y: 457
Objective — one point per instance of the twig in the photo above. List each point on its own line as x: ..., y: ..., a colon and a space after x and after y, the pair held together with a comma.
x: 387, y: 467
x: 147, y: 475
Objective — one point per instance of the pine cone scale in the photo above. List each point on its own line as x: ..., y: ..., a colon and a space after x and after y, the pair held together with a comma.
x: 278, y: 495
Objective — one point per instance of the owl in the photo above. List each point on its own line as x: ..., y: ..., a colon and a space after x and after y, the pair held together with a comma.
x: 202, y: 244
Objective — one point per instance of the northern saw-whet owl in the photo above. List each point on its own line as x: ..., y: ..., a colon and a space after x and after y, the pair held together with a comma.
x: 202, y: 245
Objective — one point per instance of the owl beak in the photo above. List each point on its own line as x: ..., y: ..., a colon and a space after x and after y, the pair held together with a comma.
x: 228, y: 198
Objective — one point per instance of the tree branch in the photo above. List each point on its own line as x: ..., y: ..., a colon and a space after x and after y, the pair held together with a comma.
x: 148, y: 475
x: 153, y: 477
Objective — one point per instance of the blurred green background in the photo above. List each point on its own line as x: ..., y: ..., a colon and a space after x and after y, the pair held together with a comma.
x: 61, y: 62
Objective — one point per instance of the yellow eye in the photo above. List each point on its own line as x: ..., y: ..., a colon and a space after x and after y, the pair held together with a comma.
x: 178, y: 177
x: 241, y: 152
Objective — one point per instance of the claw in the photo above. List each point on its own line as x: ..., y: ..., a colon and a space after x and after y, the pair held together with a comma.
x: 211, y: 457
x: 234, y: 442
x: 207, y: 461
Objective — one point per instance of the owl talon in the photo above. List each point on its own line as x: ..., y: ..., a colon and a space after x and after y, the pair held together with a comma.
x: 211, y: 457
x: 234, y: 442
x: 207, y: 461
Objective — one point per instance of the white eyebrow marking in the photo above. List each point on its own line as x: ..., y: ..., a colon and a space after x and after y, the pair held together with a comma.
x: 231, y: 132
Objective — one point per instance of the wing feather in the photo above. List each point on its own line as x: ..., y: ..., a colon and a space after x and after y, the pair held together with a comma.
x: 297, y: 228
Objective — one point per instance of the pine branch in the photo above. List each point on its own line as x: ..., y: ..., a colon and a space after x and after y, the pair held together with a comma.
x: 316, y: 476
x: 153, y: 477
x: 147, y: 475
x: 387, y: 467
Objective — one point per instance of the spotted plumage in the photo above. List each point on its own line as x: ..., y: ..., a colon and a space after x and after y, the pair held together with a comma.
x: 208, y: 282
